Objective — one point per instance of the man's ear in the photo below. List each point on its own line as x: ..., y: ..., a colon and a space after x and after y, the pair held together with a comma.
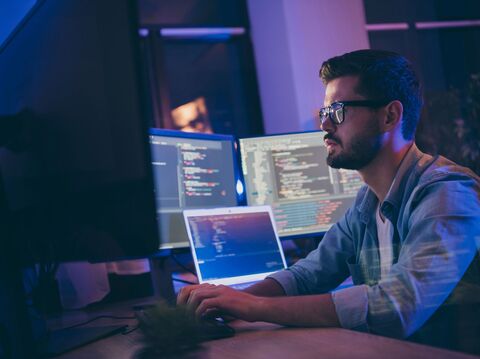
x: 393, y: 115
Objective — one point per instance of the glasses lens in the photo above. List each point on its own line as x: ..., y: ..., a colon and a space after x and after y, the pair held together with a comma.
x: 323, y: 114
x: 334, y: 112
x: 337, y: 113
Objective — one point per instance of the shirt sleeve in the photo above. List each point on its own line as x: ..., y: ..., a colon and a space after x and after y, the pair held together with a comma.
x: 287, y: 280
x: 351, y: 306
x: 325, y: 267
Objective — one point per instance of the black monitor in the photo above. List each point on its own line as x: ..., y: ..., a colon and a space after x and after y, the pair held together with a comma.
x: 191, y: 170
x: 289, y: 173
x: 76, y: 180
x: 78, y: 183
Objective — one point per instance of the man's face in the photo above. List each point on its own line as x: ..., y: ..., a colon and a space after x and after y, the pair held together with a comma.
x: 355, y: 142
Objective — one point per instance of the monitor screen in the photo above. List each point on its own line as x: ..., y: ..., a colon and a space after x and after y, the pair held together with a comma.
x: 289, y: 172
x: 191, y: 170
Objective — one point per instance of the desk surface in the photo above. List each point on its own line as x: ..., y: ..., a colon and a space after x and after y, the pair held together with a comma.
x: 264, y: 340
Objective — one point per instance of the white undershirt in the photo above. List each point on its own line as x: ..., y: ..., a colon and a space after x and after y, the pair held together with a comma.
x: 385, y: 237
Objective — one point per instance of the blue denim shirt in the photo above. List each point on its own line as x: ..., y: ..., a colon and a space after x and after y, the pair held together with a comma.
x: 434, y: 206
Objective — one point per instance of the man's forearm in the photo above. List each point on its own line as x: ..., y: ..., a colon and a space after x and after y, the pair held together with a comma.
x: 310, y: 310
x: 266, y: 288
x: 306, y: 311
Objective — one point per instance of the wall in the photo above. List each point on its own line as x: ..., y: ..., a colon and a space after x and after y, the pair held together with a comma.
x: 291, y: 39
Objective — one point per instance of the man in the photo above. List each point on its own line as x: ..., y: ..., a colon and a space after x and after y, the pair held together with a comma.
x: 410, y: 241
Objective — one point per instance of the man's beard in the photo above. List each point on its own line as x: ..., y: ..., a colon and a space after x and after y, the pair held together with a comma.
x: 361, y: 151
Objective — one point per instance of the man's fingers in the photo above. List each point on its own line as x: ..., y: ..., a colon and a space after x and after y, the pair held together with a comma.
x: 184, y: 294
x: 208, y: 307
x: 200, y: 294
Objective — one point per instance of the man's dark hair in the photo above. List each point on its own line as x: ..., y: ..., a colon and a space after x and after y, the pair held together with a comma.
x: 383, y: 75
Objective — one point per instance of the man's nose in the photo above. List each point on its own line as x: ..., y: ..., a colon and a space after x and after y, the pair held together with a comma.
x: 326, y: 124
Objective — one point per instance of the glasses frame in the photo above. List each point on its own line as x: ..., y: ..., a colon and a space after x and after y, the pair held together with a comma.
x: 332, y: 111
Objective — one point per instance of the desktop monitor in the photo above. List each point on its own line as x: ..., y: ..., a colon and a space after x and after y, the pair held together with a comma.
x: 289, y: 173
x: 191, y: 171
x: 75, y: 169
x: 76, y: 172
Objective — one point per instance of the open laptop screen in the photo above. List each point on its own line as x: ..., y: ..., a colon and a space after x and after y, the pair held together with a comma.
x: 234, y: 245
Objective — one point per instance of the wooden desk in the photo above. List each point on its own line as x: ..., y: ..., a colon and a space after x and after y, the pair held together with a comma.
x: 263, y: 340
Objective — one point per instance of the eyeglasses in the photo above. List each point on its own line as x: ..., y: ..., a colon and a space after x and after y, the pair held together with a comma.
x: 336, y: 111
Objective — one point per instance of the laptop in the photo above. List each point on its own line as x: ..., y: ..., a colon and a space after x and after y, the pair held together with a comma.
x: 234, y: 246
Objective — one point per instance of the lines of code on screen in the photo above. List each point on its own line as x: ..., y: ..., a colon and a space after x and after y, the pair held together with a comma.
x: 235, y: 245
x: 189, y: 173
x: 289, y: 172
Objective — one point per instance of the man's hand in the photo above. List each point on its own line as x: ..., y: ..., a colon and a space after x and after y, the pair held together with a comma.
x: 210, y: 300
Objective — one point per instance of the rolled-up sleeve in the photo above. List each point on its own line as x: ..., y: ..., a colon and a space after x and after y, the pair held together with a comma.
x: 351, y: 306
x: 324, y: 268
x: 287, y: 280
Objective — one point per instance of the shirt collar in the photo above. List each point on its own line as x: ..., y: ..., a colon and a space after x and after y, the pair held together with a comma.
x: 393, y: 200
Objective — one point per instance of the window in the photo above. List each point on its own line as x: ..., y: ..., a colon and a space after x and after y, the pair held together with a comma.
x: 199, y: 66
